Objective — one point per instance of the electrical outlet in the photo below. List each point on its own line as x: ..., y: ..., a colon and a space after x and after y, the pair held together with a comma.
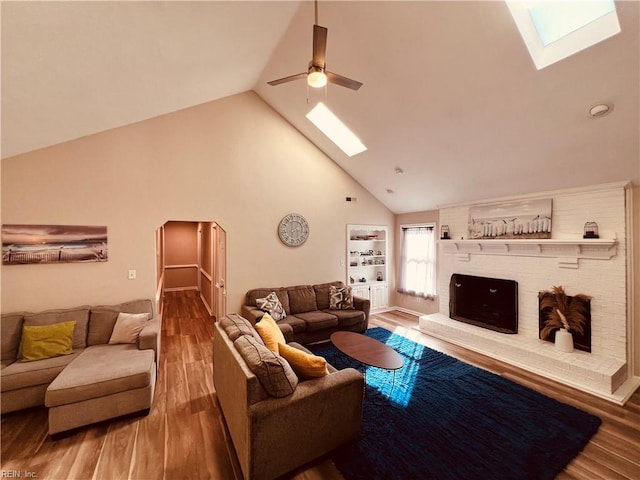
x: 132, y: 275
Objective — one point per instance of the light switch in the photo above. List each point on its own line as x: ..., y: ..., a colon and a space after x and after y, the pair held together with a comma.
x: 132, y: 275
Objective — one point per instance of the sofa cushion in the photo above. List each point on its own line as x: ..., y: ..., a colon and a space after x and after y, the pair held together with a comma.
x: 46, y: 341
x: 99, y: 371
x: 103, y: 319
x: 302, y: 299
x: 235, y: 325
x: 10, y: 335
x: 128, y: 327
x: 101, y: 323
x: 281, y: 293
x: 297, y: 324
x: 318, y: 320
x: 340, y: 298
x: 306, y: 365
x: 270, y: 332
x: 274, y: 372
x: 322, y: 293
x: 80, y: 315
x: 348, y: 318
x: 21, y: 375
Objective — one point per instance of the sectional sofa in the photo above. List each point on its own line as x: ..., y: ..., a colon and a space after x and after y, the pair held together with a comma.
x: 97, y: 380
x: 310, y: 314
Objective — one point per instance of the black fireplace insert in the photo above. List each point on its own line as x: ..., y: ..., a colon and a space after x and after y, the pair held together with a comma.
x: 485, y: 302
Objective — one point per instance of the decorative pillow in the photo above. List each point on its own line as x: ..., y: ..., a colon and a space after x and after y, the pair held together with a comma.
x: 306, y: 365
x: 271, y: 303
x: 103, y: 318
x: 46, y: 341
x: 274, y: 372
x: 270, y: 332
x: 80, y: 315
x: 340, y: 298
x: 128, y: 327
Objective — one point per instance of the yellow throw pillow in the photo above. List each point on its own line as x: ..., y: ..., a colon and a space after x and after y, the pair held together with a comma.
x: 270, y: 332
x: 46, y: 341
x: 304, y: 364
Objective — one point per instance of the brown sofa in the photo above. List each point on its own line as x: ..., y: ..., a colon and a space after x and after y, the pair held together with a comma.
x: 273, y: 435
x: 96, y: 382
x: 309, y: 317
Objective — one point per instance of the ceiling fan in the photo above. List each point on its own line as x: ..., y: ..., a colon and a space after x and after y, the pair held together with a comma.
x: 317, y: 76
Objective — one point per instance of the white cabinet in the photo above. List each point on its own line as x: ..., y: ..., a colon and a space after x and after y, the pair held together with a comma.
x: 361, y: 291
x: 379, y: 295
x: 367, y: 263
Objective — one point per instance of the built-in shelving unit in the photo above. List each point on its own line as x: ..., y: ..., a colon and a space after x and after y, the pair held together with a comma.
x: 567, y: 251
x: 367, y: 263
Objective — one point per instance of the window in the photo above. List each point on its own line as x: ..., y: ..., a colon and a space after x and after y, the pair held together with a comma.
x: 418, y: 261
x: 553, y: 30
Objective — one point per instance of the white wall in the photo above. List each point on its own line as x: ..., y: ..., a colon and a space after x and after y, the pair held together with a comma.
x: 234, y: 161
x: 604, y: 280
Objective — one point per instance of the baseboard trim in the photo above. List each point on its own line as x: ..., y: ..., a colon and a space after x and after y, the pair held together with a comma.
x: 180, y: 289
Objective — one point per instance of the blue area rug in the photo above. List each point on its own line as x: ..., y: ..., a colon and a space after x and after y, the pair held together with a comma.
x: 445, y: 419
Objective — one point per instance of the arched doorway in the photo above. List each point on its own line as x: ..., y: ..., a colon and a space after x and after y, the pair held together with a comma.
x: 192, y: 256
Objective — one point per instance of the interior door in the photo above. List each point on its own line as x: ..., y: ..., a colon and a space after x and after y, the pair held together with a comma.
x: 220, y: 270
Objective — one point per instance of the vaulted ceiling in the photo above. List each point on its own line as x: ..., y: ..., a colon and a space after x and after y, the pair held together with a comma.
x: 450, y: 96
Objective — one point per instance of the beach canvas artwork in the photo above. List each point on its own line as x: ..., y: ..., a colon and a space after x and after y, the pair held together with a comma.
x: 522, y: 219
x: 27, y: 244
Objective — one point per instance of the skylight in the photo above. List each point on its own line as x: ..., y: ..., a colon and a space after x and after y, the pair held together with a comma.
x: 556, y: 29
x: 338, y: 132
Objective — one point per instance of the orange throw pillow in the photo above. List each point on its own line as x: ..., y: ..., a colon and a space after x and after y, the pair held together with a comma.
x: 306, y: 365
x: 270, y: 332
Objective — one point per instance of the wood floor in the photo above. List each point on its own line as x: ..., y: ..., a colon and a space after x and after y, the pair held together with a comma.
x: 183, y: 437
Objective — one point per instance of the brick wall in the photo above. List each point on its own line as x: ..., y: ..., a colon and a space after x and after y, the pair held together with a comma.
x: 604, y: 280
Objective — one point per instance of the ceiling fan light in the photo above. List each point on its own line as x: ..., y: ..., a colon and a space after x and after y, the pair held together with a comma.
x: 317, y: 79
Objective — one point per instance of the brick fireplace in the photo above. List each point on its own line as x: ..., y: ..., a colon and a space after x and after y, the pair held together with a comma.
x: 594, y: 268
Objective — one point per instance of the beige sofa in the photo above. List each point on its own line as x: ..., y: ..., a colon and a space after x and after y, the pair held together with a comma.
x: 273, y: 435
x: 309, y: 317
x: 96, y: 382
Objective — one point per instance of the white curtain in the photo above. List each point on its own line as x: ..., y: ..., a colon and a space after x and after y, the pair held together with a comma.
x: 418, y: 262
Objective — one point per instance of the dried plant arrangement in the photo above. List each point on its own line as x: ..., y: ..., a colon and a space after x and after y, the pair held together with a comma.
x: 562, y: 311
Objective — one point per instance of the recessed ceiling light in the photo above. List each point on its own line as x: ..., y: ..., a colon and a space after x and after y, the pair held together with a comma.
x: 390, y: 192
x: 599, y: 110
x: 399, y: 171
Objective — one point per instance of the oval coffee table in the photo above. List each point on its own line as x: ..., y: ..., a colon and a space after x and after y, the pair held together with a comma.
x: 368, y: 351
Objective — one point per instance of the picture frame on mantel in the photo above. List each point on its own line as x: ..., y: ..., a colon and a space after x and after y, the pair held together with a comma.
x: 525, y: 219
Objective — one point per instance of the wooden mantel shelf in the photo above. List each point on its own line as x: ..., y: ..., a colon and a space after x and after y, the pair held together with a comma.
x: 567, y: 251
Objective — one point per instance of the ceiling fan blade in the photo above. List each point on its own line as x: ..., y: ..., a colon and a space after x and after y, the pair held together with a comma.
x: 343, y: 81
x: 291, y: 78
x: 319, y: 46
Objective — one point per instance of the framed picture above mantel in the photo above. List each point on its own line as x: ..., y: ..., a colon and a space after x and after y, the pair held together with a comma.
x: 525, y: 219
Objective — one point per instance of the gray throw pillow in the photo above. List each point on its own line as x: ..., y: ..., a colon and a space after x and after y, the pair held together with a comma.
x: 271, y: 304
x: 274, y: 372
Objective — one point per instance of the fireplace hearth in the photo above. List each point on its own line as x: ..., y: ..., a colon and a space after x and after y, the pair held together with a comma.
x: 490, y: 303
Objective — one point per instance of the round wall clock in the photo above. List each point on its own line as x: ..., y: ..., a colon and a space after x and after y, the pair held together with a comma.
x: 293, y: 229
